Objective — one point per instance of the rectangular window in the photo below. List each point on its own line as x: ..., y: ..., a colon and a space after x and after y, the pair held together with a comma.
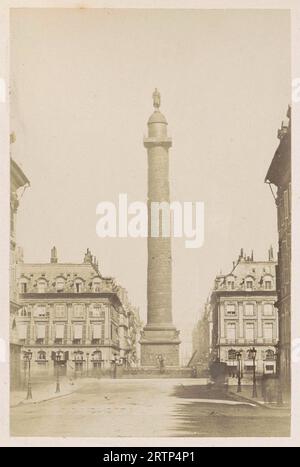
x: 60, y: 311
x: 268, y: 331
x: 268, y: 309
x: 268, y: 285
x: 249, y: 285
x: 249, y: 309
x: 98, y: 311
x: 23, y: 287
x: 231, y: 309
x: 250, y: 332
x: 231, y: 331
x: 78, y: 311
x: 40, y: 311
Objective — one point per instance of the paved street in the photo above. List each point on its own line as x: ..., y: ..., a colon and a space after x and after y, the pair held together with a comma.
x: 147, y: 408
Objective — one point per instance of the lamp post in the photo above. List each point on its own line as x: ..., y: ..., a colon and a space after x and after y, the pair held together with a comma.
x: 115, y: 362
x: 57, y: 359
x: 28, y: 357
x: 252, y: 355
x: 278, y: 375
x: 87, y: 364
x: 239, y: 360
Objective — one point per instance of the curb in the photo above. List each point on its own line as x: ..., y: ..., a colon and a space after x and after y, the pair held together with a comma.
x: 247, y: 399
x: 25, y: 402
x: 259, y: 403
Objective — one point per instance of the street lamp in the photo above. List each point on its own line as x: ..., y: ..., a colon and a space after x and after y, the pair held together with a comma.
x: 278, y: 375
x: 252, y: 355
x: 114, y: 362
x: 28, y: 357
x: 239, y: 360
x: 57, y: 359
x: 87, y: 364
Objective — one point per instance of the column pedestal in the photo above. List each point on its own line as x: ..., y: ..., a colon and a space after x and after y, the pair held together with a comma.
x: 162, y: 340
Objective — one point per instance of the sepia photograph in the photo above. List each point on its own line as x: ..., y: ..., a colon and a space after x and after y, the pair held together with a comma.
x: 150, y: 223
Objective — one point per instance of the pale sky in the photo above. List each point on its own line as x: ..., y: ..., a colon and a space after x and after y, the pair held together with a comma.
x: 81, y: 87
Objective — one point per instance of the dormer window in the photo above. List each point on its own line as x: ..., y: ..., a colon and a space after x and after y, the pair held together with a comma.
x: 60, y: 284
x: 23, y: 286
x: 23, y: 311
x: 96, y: 285
x: 41, y: 286
x: 78, y: 286
x: 249, y: 284
x: 230, y: 285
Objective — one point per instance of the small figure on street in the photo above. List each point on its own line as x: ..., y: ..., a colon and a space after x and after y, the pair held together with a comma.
x: 161, y: 363
x: 114, y: 366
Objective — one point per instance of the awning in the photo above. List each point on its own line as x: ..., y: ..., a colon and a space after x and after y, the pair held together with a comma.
x: 97, y: 331
x: 41, y: 331
x: 77, y: 331
x: 22, y: 331
x: 59, y: 331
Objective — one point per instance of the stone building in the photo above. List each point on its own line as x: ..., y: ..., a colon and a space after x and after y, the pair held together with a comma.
x: 202, y: 338
x: 18, y: 182
x: 71, y: 311
x: 244, y: 315
x: 279, y: 174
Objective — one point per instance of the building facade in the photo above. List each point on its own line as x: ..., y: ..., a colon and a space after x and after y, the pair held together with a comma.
x: 202, y: 337
x: 71, y: 310
x: 18, y: 182
x: 244, y: 316
x: 279, y: 174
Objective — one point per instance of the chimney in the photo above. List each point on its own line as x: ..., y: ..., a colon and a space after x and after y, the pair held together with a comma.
x: 53, y: 258
x: 271, y: 254
x: 252, y: 255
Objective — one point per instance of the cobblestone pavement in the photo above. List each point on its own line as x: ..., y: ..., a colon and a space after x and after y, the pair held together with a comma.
x: 147, y: 408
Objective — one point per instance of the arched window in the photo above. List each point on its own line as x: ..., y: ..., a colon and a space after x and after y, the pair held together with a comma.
x: 97, y: 359
x: 41, y: 355
x: 78, y: 356
x: 270, y: 354
x: 78, y: 360
x: 97, y: 355
x: 231, y: 354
